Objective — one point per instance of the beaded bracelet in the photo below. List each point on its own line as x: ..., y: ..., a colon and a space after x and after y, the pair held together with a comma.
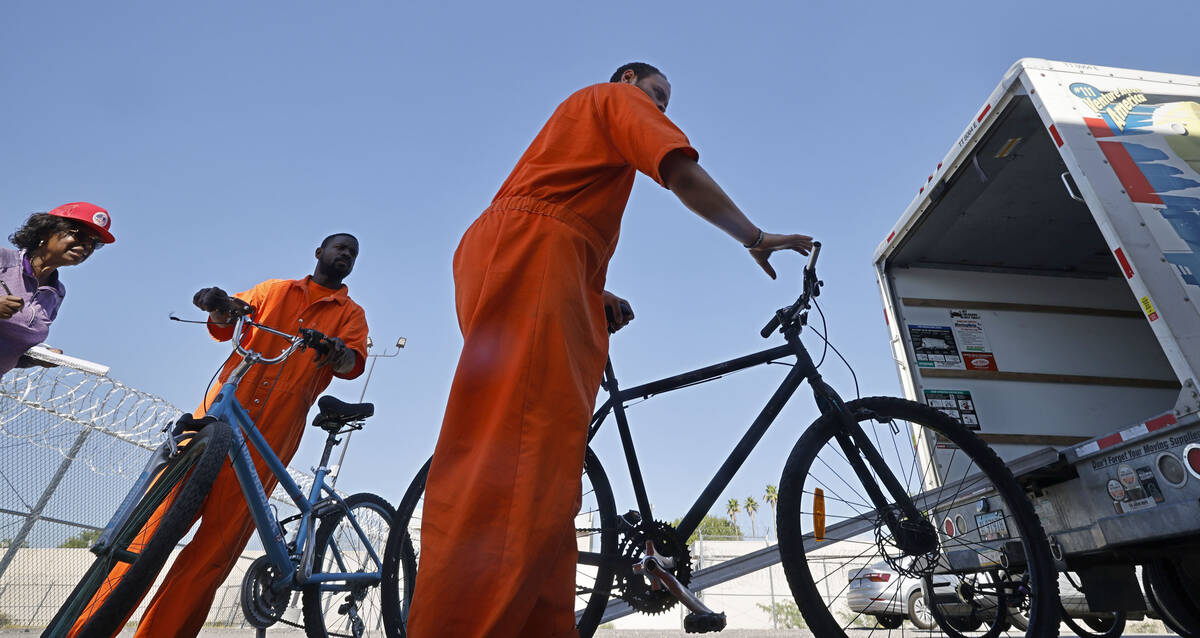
x: 754, y: 244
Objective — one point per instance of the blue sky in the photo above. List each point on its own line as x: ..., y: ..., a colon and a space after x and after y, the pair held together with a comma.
x: 228, y: 138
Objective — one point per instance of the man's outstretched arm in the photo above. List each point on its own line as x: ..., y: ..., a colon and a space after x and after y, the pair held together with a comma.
x: 703, y: 196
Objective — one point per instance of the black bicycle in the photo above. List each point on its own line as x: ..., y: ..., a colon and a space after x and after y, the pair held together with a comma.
x: 873, y: 482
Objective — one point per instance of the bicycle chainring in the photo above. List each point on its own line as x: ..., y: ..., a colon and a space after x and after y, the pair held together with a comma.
x: 262, y: 606
x: 636, y: 590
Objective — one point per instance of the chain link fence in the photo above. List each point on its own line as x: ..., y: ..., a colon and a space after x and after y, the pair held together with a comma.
x: 71, y: 445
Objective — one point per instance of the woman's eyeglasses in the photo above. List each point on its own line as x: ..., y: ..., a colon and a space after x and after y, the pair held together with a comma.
x: 84, y: 235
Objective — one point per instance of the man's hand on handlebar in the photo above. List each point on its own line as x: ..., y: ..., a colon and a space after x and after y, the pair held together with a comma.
x: 772, y: 242
x: 337, y: 355
x: 220, y: 306
x: 618, y: 311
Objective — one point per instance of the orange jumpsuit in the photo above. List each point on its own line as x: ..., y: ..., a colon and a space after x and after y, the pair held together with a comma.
x: 277, y: 398
x: 498, y: 541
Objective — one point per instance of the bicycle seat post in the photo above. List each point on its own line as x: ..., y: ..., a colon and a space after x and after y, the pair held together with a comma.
x: 331, y: 441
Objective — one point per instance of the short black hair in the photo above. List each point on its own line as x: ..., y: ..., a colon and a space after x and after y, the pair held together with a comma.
x: 640, y: 70
x: 325, y: 242
x: 37, y: 229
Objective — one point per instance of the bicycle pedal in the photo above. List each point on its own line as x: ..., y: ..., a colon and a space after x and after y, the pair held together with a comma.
x: 695, y: 623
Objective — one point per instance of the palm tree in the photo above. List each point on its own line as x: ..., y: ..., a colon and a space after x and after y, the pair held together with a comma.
x: 751, y: 507
x: 733, y: 508
x: 772, y: 497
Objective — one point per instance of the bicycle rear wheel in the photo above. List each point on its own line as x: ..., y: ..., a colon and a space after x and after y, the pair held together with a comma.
x: 335, y: 608
x: 169, y: 507
x: 978, y: 548
x: 596, y: 532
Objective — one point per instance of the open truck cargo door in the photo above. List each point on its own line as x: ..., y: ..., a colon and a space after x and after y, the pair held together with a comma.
x: 1044, y: 285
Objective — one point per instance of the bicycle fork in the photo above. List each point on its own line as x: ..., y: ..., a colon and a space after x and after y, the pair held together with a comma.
x: 912, y: 533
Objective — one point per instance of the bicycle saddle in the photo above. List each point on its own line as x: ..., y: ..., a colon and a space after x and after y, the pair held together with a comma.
x: 335, y: 413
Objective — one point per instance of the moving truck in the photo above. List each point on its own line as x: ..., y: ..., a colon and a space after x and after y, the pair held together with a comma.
x: 1043, y: 287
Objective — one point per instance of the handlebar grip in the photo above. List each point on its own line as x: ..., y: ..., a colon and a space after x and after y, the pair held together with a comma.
x: 770, y: 327
x: 315, y: 340
x: 812, y: 256
x: 235, y: 307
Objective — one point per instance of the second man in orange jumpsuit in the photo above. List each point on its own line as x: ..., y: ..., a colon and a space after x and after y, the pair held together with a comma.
x: 498, y: 539
x: 278, y: 399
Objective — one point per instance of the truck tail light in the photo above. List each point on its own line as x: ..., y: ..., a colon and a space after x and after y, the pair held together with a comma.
x: 1171, y: 469
x: 1191, y: 454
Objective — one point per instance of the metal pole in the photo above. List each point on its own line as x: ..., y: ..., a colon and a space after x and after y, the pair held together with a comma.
x: 36, y: 513
x: 771, y: 581
x: 346, y: 443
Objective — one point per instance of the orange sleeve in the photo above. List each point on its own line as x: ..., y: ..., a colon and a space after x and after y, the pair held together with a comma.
x: 641, y: 133
x: 354, y: 334
x: 255, y: 297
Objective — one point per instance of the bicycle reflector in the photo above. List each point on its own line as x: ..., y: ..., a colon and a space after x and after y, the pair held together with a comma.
x: 819, y: 514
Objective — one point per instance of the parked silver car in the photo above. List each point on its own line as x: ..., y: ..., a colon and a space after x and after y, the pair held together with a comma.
x: 880, y: 591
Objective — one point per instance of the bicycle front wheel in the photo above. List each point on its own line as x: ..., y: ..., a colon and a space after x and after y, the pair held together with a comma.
x: 120, y: 576
x: 596, y: 535
x: 338, y: 608
x: 977, y: 551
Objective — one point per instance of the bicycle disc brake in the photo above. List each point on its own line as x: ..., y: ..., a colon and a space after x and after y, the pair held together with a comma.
x: 637, y: 590
x: 262, y: 606
x: 914, y: 551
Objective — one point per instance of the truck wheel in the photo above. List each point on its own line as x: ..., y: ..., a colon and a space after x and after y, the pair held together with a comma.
x: 1170, y: 599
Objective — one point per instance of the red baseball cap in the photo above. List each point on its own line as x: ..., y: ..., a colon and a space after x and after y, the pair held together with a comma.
x: 90, y: 215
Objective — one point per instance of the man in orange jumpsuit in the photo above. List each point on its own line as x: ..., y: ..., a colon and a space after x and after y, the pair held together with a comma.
x: 278, y: 398
x: 498, y: 541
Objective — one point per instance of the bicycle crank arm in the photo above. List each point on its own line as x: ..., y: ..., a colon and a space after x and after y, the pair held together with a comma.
x: 702, y: 619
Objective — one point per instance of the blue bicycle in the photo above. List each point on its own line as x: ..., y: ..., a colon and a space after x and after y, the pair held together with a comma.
x: 331, y: 557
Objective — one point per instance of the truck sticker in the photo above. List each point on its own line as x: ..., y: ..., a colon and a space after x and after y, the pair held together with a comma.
x: 1152, y: 143
x: 956, y: 404
x: 1116, y: 490
x: 1144, y: 503
x: 1134, y: 490
x: 1148, y: 308
x: 972, y: 341
x: 935, y: 347
x: 1150, y: 484
x: 1128, y: 479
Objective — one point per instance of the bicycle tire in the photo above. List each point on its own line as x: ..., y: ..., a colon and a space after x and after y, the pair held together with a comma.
x: 857, y: 518
x: 196, y: 468
x: 374, y: 515
x: 402, y: 556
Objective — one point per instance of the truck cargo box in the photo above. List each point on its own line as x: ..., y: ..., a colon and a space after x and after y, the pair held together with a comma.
x: 1044, y: 285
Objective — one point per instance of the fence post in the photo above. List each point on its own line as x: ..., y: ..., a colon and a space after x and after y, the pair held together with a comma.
x: 771, y: 582
x: 36, y: 513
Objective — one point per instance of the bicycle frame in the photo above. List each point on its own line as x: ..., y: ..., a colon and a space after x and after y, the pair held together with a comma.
x: 851, y: 438
x: 228, y: 409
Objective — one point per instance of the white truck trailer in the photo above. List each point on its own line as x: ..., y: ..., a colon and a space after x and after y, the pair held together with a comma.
x: 1043, y: 287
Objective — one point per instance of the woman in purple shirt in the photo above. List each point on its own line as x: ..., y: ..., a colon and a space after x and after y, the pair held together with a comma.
x: 30, y: 291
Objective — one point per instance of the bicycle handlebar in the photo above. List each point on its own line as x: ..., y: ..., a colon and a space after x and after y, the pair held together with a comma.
x: 812, y: 288
x: 308, y: 338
